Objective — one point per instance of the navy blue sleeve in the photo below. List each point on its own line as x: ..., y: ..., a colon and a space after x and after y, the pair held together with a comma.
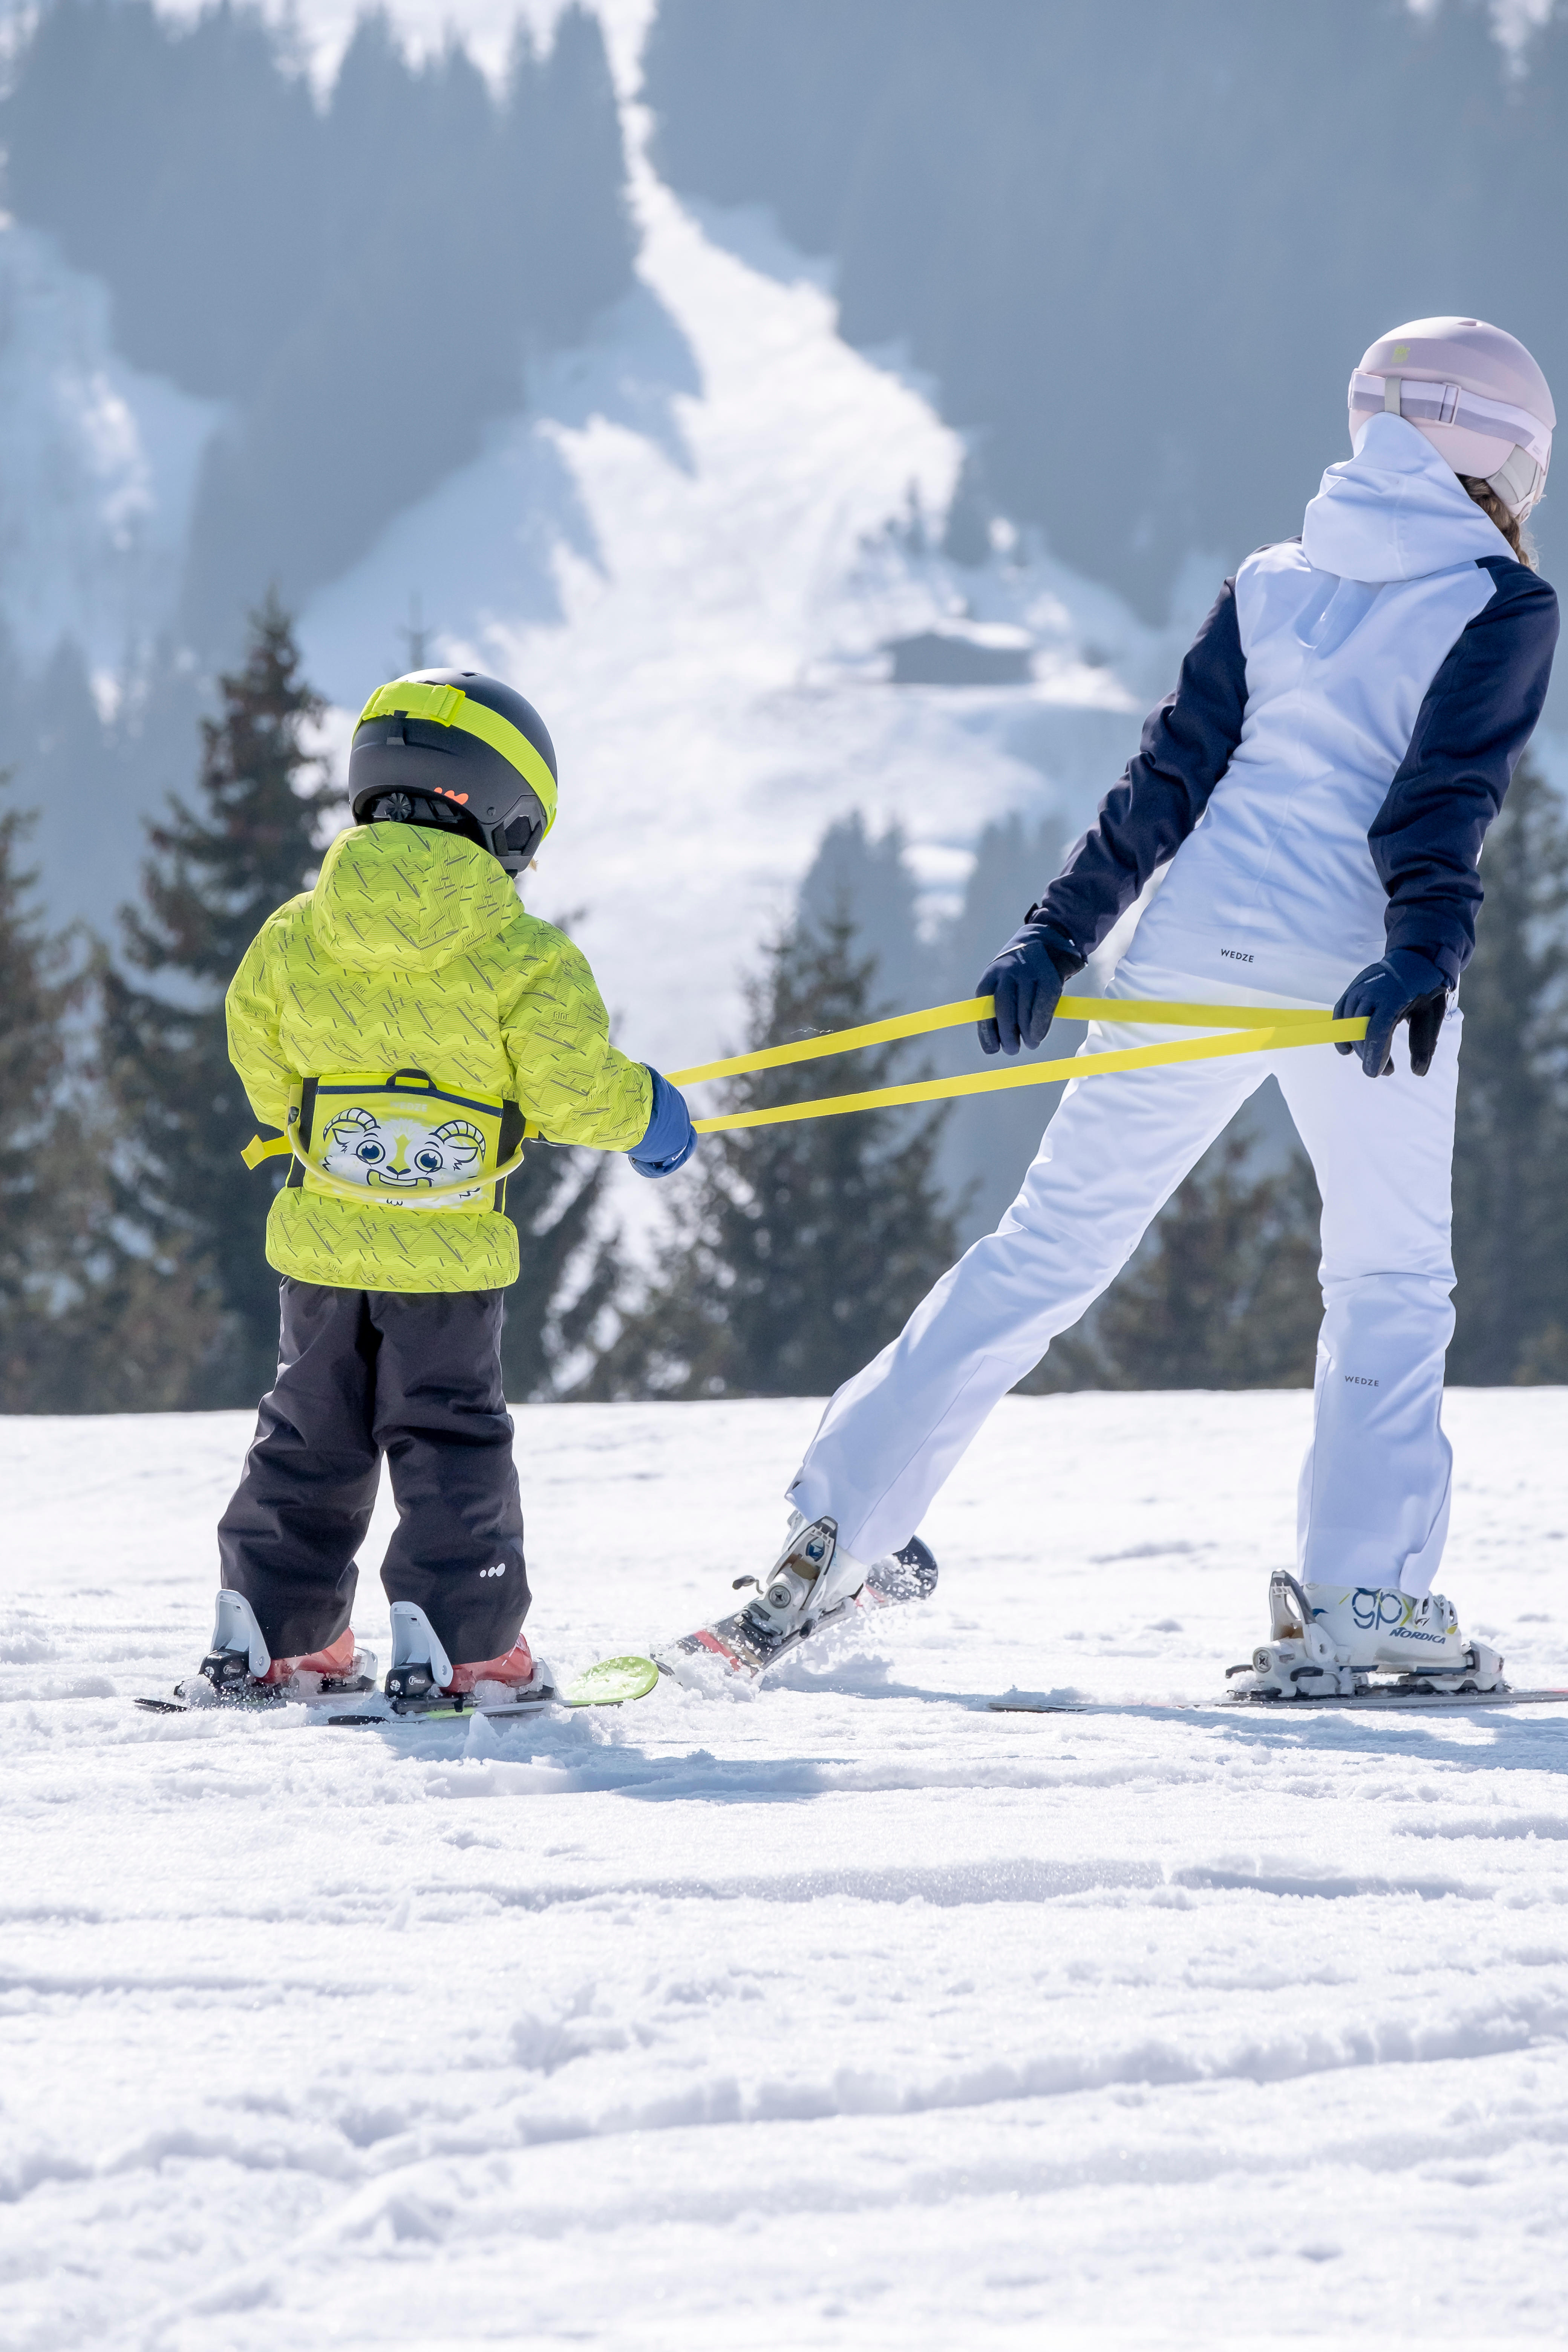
x: 1478, y: 714
x: 1186, y: 748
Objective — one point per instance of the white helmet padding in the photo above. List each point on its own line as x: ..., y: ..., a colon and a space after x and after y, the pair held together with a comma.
x: 1475, y: 395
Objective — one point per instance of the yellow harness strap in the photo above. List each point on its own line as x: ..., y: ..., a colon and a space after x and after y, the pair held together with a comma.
x: 275, y: 1147
x: 1149, y: 1013
x: 1251, y: 1029
x: 367, y: 1100
x: 1077, y: 1066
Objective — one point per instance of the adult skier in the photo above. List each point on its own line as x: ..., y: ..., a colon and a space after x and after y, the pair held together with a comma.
x: 397, y: 1026
x: 1321, y: 780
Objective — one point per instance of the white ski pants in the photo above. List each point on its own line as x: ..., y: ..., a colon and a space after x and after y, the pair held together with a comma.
x: 1374, y: 1496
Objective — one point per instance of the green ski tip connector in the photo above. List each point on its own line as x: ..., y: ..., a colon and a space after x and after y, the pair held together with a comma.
x: 611, y: 1683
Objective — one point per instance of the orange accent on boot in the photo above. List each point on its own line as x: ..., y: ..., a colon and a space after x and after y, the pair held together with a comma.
x: 516, y: 1666
x: 337, y: 1660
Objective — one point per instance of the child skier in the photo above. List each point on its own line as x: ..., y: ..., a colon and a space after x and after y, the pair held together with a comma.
x: 397, y: 1025
x: 1342, y: 734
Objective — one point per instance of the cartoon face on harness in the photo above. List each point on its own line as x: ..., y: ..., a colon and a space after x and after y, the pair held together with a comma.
x: 399, y: 1155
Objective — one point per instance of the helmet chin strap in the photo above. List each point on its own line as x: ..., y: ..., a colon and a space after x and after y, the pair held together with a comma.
x: 1518, y: 482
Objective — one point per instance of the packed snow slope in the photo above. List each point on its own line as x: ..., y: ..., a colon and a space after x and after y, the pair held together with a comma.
x: 852, y: 2015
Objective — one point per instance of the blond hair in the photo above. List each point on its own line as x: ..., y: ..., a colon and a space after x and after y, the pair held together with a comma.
x: 1492, y: 507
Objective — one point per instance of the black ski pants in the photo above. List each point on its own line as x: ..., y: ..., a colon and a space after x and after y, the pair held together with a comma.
x: 363, y: 1373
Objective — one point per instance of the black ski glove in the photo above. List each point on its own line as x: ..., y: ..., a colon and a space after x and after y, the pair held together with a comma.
x: 1405, y: 986
x: 1027, y: 977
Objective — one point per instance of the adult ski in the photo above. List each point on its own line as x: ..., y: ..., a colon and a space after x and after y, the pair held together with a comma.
x: 1294, y: 1710
x: 729, y: 1647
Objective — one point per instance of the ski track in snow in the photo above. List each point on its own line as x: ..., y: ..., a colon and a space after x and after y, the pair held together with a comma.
x: 850, y: 2014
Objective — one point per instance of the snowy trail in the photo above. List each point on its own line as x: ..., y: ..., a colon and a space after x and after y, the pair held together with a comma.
x: 851, y: 2015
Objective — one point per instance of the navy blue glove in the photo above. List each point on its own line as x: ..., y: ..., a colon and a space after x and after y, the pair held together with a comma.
x: 1027, y: 977
x: 672, y: 1139
x: 1405, y: 986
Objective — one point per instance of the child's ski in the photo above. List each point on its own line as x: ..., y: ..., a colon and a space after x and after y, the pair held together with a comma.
x: 730, y: 1646
x: 440, y: 1709
x: 611, y: 1683
x: 258, y: 1701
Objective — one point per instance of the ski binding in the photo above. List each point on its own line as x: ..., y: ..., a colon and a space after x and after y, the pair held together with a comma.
x: 752, y: 1642
x: 1300, y: 1661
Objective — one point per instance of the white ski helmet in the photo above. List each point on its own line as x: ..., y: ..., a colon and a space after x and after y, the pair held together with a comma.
x: 1474, y: 392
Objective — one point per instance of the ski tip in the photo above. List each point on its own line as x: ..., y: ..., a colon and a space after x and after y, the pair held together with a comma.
x: 611, y: 1683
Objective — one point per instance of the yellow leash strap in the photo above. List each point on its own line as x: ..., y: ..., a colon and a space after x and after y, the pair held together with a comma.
x: 1150, y: 1011
x: 1288, y: 1029
x: 275, y: 1147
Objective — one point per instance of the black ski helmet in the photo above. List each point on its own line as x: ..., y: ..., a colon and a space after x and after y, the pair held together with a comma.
x: 453, y: 748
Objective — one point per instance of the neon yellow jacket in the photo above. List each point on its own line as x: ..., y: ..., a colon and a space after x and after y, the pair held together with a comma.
x: 412, y: 950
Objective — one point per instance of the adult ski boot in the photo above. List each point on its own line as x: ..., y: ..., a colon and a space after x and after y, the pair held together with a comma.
x: 423, y: 1680
x: 238, y: 1670
x: 1330, y: 1641
x: 814, y: 1583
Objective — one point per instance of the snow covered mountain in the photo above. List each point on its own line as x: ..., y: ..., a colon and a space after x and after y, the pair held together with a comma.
x: 705, y: 551
x: 712, y: 542
x: 708, y: 547
x: 99, y: 468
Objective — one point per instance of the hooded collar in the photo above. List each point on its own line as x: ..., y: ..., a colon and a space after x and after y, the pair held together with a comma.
x: 409, y: 897
x: 1395, y: 511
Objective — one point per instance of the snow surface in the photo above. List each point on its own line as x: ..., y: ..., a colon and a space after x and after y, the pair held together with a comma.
x: 849, y: 2015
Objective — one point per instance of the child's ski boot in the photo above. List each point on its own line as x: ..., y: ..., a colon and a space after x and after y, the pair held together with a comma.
x: 237, y: 1669
x: 1330, y: 1641
x: 423, y: 1680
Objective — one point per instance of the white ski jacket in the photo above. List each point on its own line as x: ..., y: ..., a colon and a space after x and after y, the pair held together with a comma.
x: 1342, y: 733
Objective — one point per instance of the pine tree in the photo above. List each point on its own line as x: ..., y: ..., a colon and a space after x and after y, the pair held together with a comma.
x: 870, y: 882
x: 217, y: 871
x: 41, y: 1148
x: 85, y: 1326
x: 989, y: 1142
x: 560, y: 183
x: 801, y: 1248
x: 1510, y: 1227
